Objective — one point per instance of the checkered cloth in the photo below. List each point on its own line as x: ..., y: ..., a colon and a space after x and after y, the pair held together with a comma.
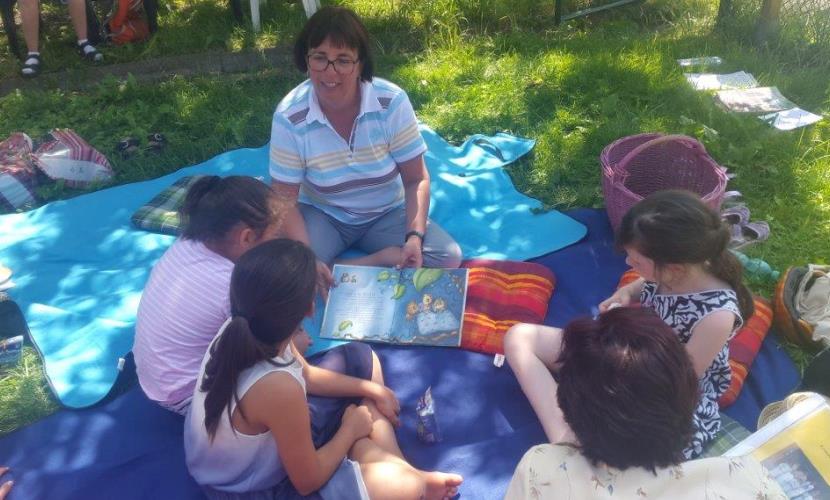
x: 744, y: 346
x: 731, y: 433
x: 499, y: 295
x: 161, y: 214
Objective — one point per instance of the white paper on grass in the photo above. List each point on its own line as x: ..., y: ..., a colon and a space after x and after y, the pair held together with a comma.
x: 699, y: 61
x: 757, y: 100
x: 790, y: 119
x: 715, y: 81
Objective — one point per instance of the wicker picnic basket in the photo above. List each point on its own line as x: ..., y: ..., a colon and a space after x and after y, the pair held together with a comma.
x: 636, y: 166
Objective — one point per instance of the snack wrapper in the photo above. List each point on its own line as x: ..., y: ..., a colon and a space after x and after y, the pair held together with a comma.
x: 428, y: 430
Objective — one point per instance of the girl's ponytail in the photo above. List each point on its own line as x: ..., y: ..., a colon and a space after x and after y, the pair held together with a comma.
x: 728, y: 268
x: 239, y: 351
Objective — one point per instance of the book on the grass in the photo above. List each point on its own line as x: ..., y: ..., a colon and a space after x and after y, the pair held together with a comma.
x: 699, y: 61
x: 716, y: 81
x: 399, y: 306
x: 757, y: 100
x: 795, y: 449
x: 790, y: 119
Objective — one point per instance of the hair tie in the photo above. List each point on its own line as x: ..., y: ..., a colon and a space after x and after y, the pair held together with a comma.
x: 240, y: 315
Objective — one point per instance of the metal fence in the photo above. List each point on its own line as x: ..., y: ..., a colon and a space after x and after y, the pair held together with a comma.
x: 802, y: 21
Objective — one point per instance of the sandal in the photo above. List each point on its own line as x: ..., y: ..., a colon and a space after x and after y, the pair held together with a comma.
x: 127, y: 147
x: 737, y: 215
x: 156, y: 141
x: 90, y: 53
x: 747, y: 234
x: 31, y: 66
x: 732, y: 198
x: 756, y: 231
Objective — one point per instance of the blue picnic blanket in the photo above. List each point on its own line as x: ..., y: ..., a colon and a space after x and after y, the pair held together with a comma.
x: 80, y: 266
x: 129, y: 448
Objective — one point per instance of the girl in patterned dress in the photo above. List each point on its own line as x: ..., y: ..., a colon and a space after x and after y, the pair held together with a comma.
x: 688, y: 276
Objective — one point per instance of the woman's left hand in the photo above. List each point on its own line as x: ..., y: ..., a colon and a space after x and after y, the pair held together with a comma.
x: 411, y: 253
x: 387, y: 404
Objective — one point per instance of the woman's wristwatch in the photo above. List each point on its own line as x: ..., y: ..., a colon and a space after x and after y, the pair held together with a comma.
x: 412, y: 233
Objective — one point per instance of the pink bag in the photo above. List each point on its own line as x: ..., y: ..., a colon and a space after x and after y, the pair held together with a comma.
x: 18, y: 176
x: 70, y: 158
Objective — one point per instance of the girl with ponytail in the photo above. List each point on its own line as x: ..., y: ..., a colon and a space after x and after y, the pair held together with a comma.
x: 678, y: 245
x: 251, y: 431
x: 186, y: 299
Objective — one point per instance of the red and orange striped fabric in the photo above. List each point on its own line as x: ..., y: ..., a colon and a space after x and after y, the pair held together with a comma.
x: 744, y: 346
x: 499, y: 295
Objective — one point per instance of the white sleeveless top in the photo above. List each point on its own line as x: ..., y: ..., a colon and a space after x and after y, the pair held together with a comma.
x: 235, y: 462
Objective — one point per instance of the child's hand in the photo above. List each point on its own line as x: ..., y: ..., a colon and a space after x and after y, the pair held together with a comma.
x: 358, y: 421
x: 620, y: 298
x: 388, y: 404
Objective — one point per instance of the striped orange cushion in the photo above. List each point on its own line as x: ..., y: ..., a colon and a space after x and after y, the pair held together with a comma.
x: 499, y: 295
x: 744, y: 346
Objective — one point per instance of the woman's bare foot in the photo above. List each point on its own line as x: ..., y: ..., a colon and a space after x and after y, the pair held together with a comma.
x: 440, y: 485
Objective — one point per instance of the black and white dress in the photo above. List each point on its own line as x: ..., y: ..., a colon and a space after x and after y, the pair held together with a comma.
x: 682, y: 312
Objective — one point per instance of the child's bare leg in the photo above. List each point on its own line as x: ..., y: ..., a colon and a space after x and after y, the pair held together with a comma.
x: 383, y: 433
x: 388, y: 257
x: 388, y: 477
x: 532, y: 351
x: 381, y: 458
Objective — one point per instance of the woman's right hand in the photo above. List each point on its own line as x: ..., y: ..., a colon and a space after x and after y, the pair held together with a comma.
x: 358, y: 421
x: 621, y: 298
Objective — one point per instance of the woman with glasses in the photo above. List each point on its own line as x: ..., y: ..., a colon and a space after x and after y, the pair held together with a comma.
x: 345, y: 147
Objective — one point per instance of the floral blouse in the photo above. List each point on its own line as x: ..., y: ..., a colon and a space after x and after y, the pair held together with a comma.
x: 561, y: 472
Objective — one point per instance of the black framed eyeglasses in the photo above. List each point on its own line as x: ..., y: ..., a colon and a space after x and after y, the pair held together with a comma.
x: 341, y: 65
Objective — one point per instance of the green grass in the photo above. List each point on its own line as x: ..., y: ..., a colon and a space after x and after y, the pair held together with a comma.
x: 184, y: 28
x: 480, y: 67
x: 24, y: 395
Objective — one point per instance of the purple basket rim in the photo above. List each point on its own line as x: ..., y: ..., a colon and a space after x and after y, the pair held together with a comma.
x: 606, y: 151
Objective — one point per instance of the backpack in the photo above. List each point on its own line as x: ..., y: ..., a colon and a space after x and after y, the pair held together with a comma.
x: 802, y: 306
x: 126, y: 23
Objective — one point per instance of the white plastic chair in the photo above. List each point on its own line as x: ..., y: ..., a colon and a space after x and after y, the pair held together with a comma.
x: 310, y: 7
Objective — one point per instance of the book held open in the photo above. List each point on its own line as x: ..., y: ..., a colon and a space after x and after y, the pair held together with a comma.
x: 400, y: 306
x: 795, y: 448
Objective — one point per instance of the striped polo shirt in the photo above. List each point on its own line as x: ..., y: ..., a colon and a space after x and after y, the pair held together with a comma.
x: 353, y: 181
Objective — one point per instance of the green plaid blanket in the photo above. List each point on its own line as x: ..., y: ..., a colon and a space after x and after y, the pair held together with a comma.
x: 731, y: 433
x: 161, y: 214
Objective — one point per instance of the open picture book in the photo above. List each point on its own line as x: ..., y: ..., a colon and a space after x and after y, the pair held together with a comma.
x: 400, y: 306
x: 795, y: 449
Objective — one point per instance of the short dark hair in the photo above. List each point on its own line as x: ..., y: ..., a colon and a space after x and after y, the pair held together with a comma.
x: 627, y: 388
x: 675, y: 227
x: 214, y: 205
x: 343, y: 28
